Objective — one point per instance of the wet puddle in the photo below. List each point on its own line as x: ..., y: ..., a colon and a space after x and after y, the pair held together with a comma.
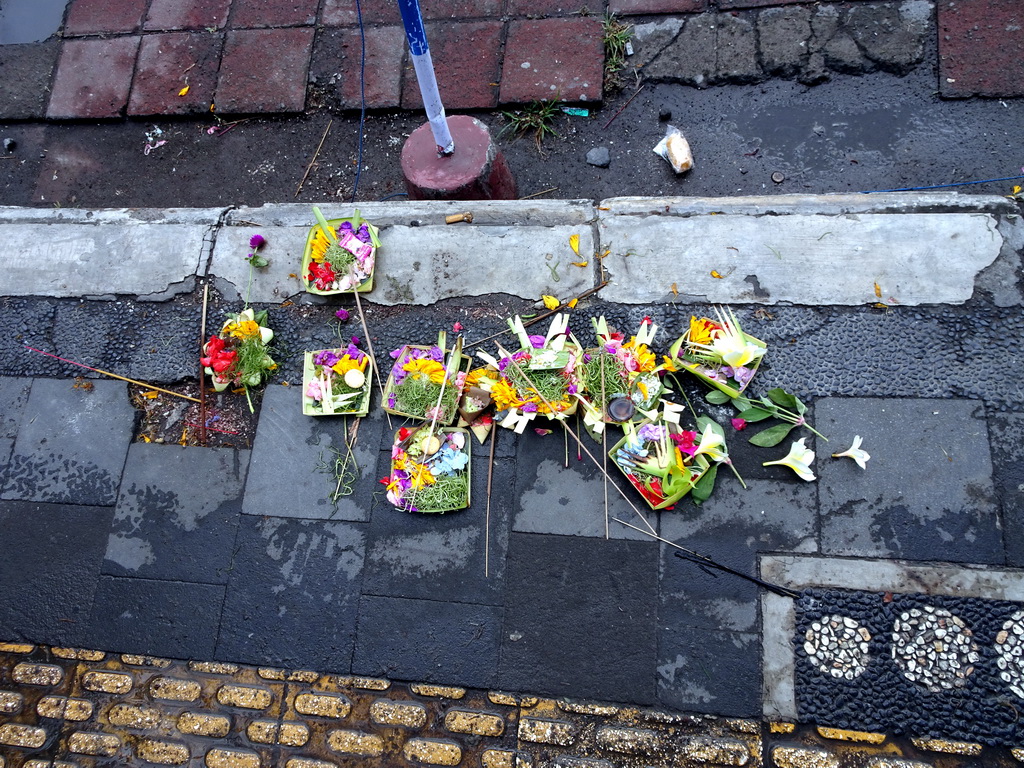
x: 29, y: 21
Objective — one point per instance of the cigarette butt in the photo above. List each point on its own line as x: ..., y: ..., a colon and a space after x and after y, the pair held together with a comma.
x: 455, y: 218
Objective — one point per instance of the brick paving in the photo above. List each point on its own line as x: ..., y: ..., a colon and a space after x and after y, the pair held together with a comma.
x: 487, y: 53
x: 76, y: 706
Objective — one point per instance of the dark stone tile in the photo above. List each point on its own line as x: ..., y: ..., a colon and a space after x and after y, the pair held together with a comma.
x: 292, y: 594
x: 163, y: 58
x: 159, y: 618
x: 561, y: 59
x: 98, y: 17
x: 441, y: 557
x: 1006, y: 435
x: 628, y: 7
x: 927, y: 491
x: 169, y: 526
x: 13, y: 398
x: 580, y: 618
x: 714, y: 672
x: 27, y: 72
x: 93, y: 78
x: 426, y: 640
x: 731, y: 528
x: 72, y: 443
x: 284, y: 478
x: 49, y: 569
x: 336, y: 58
x: 253, y: 81
x: 554, y: 498
x: 467, y: 59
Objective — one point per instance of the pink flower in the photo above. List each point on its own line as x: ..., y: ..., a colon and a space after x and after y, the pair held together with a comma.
x: 739, y: 424
x: 257, y: 241
x: 342, y: 314
x: 457, y: 327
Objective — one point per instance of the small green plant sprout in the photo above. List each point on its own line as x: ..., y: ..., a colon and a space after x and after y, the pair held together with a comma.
x: 538, y: 118
x: 616, y: 36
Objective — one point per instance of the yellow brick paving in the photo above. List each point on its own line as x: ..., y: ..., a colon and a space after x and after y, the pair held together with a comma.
x: 83, y: 708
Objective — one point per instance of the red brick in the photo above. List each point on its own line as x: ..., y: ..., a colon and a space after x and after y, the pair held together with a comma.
x: 537, y: 8
x: 273, y: 13
x: 981, y: 48
x: 187, y: 14
x: 667, y: 6
x: 93, y: 78
x: 97, y: 17
x: 460, y: 9
x: 559, y: 59
x: 167, y: 63
x: 467, y: 59
x: 264, y: 70
x: 338, y: 13
x: 336, y: 65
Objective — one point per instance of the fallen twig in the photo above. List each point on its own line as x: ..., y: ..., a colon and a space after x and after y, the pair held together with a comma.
x: 625, y: 105
x: 542, y: 192
x: 315, y: 155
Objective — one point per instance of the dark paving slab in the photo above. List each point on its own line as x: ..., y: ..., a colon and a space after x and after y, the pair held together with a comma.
x: 49, y: 569
x: 187, y: 14
x: 927, y: 491
x: 467, y: 60
x: 13, y: 398
x: 569, y: 501
x: 274, y: 13
x: 731, y: 528
x: 97, y: 17
x: 284, y: 478
x: 93, y: 78
x: 72, y: 443
x: 253, y: 81
x: 292, y: 594
x: 27, y: 70
x: 336, y: 61
x: 169, y: 526
x: 160, y: 618
x: 981, y: 48
x: 559, y: 59
x: 435, y: 642
x: 1006, y: 436
x: 580, y: 618
x: 441, y: 557
x: 628, y: 7
x: 713, y: 672
x: 163, y: 59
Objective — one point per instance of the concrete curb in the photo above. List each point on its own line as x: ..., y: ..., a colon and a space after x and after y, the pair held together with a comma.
x: 791, y: 249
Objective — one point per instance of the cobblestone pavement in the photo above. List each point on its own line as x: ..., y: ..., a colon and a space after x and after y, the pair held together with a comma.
x: 66, y: 707
x: 135, y: 58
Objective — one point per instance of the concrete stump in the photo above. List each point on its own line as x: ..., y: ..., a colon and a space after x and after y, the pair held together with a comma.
x: 475, y: 171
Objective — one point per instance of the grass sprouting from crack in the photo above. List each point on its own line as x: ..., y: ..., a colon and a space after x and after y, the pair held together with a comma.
x: 538, y: 118
x: 615, y: 35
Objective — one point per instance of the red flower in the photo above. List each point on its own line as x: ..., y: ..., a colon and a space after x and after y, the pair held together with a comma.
x: 739, y: 424
x: 385, y: 480
x: 403, y: 433
x: 652, y: 493
x: 322, y: 275
x: 217, y: 358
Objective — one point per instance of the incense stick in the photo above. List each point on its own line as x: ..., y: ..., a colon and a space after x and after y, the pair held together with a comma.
x: 113, y: 375
x: 487, y: 516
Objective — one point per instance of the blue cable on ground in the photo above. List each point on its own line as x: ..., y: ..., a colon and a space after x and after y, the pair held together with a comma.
x: 938, y: 186
x: 362, y: 98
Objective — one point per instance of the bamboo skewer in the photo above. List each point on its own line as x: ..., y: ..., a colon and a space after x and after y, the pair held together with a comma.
x: 202, y: 373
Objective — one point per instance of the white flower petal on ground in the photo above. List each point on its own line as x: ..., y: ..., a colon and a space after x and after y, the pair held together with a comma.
x: 854, y: 452
x: 798, y: 459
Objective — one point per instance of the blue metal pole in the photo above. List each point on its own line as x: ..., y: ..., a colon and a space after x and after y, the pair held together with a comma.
x: 415, y: 33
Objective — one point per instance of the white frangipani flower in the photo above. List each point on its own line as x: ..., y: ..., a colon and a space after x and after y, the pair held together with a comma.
x: 854, y: 452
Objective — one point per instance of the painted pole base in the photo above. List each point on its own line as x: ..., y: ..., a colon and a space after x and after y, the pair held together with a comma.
x: 475, y: 171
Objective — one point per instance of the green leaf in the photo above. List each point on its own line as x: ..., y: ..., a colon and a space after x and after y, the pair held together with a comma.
x: 772, y: 436
x: 800, y: 407
x: 705, y: 486
x: 754, y: 414
x: 781, y: 397
x: 258, y: 261
x: 717, y: 397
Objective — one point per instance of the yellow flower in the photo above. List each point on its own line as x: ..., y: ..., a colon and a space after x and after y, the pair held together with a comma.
x: 668, y: 364
x: 421, y: 368
x: 505, y: 395
x: 646, y: 360
x: 711, y: 445
x: 420, y: 476
x: 243, y: 329
x: 550, y: 302
x: 702, y: 331
x: 320, y: 243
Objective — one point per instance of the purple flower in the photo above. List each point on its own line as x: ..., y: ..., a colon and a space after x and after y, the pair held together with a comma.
x: 325, y: 357
x: 355, y: 339
x: 250, y: 256
x: 342, y: 314
x: 391, y: 400
x: 537, y: 342
x: 529, y: 408
x: 435, y: 354
x: 257, y: 241
x: 572, y: 389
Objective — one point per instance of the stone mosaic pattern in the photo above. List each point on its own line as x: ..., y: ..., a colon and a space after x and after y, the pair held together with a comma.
x: 838, y: 645
x: 939, y: 665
